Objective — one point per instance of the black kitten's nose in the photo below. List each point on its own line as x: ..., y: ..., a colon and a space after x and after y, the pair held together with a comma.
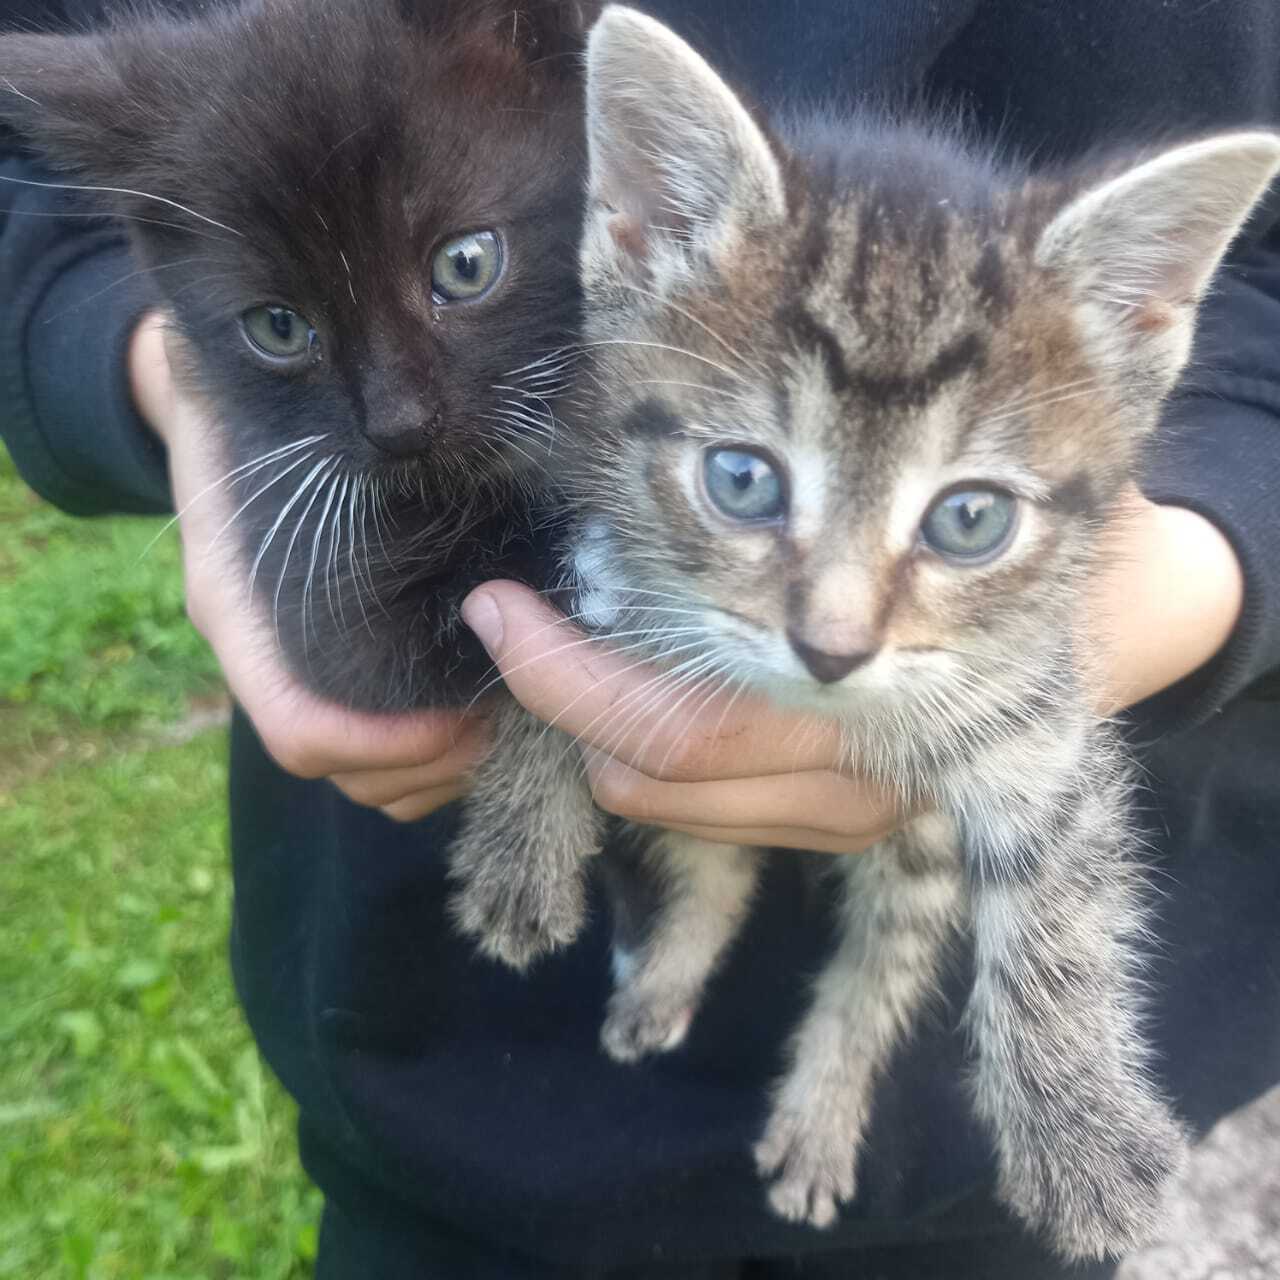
x: 403, y: 434
x: 828, y: 667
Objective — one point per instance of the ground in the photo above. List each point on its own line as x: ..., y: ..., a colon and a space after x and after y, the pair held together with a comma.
x: 140, y: 1137
x: 1225, y: 1214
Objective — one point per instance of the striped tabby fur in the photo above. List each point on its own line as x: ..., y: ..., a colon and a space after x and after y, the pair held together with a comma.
x: 884, y: 313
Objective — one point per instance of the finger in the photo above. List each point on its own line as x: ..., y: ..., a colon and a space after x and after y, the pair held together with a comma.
x: 378, y: 788
x: 150, y: 379
x: 411, y: 808
x: 633, y: 710
x: 819, y: 801
x: 307, y: 735
x: 799, y: 838
x: 1167, y: 596
x: 311, y: 738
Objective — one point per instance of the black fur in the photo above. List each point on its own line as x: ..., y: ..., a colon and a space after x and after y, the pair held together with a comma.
x: 323, y: 149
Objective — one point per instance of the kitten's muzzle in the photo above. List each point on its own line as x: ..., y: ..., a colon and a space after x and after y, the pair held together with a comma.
x: 403, y: 434
x: 825, y: 667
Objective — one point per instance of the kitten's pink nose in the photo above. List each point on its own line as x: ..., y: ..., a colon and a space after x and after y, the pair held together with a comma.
x: 828, y: 667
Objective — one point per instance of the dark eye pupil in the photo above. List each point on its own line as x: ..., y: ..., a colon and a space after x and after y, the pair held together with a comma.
x: 743, y: 485
x: 466, y: 265
x: 282, y: 323
x: 968, y: 525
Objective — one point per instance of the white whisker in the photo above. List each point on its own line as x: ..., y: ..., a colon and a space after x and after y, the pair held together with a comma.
x: 253, y: 497
x: 351, y: 289
x: 351, y: 551
x: 566, y: 355
x: 123, y: 191
x: 668, y: 305
x: 661, y: 687
x: 26, y: 97
x: 333, y: 561
x: 662, y: 346
x: 280, y: 518
x: 123, y: 217
x: 330, y: 486
x: 250, y: 467
x: 647, y: 660
x: 115, y: 284
x: 299, y: 521
x: 366, y: 501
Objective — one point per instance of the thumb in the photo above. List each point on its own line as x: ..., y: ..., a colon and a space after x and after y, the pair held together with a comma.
x: 543, y: 658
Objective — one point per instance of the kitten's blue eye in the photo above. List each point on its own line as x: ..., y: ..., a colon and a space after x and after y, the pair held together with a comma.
x: 970, y: 524
x: 743, y: 485
x: 466, y: 267
x: 282, y: 335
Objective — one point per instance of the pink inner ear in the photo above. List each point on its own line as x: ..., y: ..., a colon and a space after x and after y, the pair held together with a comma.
x: 627, y: 234
x: 1155, y: 315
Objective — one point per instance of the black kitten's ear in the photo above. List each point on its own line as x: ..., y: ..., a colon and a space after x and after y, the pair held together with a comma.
x: 551, y: 32
x: 68, y: 97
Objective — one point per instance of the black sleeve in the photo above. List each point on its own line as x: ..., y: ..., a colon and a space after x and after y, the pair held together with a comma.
x: 1218, y: 453
x: 70, y: 297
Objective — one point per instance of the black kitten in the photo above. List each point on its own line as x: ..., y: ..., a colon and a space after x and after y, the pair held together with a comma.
x: 363, y: 216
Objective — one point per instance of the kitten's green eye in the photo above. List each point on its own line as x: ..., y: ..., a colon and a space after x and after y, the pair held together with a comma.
x: 970, y: 525
x: 466, y: 267
x: 743, y: 485
x: 278, y: 333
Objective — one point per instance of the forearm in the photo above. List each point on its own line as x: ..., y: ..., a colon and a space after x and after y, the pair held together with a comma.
x: 1166, y: 603
x: 1218, y: 454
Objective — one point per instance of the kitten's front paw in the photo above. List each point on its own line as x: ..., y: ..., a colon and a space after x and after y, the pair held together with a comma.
x: 812, y: 1167
x: 515, y: 921
x: 639, y: 1023
x: 1101, y: 1194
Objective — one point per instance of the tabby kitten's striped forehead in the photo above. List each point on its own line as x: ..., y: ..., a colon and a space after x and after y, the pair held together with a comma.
x: 866, y: 398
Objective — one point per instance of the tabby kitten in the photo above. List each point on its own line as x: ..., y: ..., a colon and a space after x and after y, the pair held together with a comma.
x: 361, y: 215
x: 862, y: 405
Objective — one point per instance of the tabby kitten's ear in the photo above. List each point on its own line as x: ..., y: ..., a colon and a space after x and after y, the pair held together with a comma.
x: 1138, y: 251
x: 677, y: 162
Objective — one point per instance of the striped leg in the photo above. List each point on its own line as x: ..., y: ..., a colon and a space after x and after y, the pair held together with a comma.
x: 1086, y: 1145
x: 902, y: 900
x: 529, y: 826
x: 680, y: 906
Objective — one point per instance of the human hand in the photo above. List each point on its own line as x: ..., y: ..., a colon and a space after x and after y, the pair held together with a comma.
x: 740, y: 770
x: 1166, y: 602
x: 732, y: 769
x: 405, y: 765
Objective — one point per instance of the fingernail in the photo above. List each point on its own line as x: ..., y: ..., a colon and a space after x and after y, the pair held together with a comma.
x: 480, y: 612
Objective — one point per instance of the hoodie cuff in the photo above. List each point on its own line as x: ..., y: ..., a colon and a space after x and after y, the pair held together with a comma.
x: 72, y: 427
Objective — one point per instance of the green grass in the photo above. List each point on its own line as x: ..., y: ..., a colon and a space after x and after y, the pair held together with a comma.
x: 140, y: 1138
x: 93, y: 635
